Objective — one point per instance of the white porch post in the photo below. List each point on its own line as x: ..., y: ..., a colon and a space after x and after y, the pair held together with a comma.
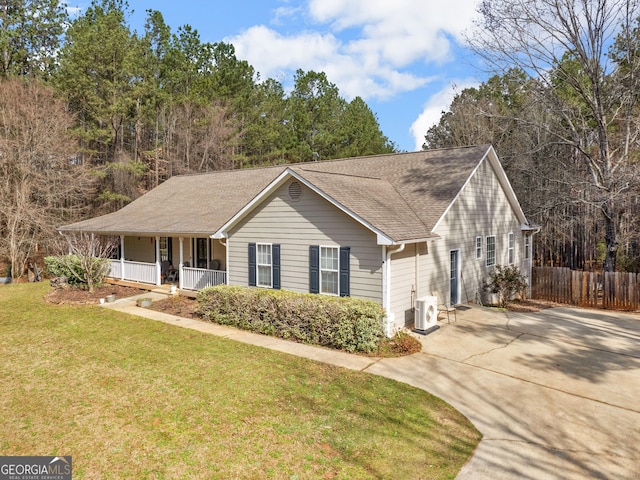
x: 121, y: 257
x: 181, y: 265
x: 226, y: 260
x: 208, y: 253
x: 158, y: 270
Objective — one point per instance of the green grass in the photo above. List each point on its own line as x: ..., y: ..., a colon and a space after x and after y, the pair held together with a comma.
x: 128, y: 397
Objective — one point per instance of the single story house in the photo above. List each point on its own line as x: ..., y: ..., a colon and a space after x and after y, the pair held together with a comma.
x: 389, y: 228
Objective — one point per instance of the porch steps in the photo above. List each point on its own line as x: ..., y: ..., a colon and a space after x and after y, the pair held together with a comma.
x: 150, y: 288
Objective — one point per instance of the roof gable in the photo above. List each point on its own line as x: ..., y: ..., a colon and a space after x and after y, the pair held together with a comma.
x: 501, y: 175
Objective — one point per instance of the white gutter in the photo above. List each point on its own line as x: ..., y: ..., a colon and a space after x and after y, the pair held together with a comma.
x: 386, y: 283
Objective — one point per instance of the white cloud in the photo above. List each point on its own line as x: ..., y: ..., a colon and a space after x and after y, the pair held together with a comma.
x: 355, y: 75
x: 269, y: 51
x: 399, y: 31
x: 438, y: 102
x: 376, y: 49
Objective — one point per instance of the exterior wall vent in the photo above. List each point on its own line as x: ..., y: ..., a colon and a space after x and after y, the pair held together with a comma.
x: 295, y: 191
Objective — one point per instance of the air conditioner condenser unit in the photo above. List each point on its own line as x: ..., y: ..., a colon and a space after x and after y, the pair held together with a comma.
x: 426, y: 315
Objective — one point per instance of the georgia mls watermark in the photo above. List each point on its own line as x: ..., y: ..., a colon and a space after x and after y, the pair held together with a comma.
x: 35, y: 468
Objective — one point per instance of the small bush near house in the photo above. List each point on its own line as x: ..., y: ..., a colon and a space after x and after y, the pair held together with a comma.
x: 86, y: 272
x: 506, y: 281
x: 349, y: 324
x: 399, y: 345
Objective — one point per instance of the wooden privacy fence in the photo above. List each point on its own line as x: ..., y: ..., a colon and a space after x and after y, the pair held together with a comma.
x: 610, y: 290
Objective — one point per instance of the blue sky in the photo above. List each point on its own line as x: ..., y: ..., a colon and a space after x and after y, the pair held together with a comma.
x: 405, y: 58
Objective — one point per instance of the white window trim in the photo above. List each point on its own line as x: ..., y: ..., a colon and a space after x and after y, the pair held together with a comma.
x: 478, y: 248
x: 511, y: 248
x: 487, y: 250
x: 320, y: 270
x: 527, y: 246
x: 258, y: 265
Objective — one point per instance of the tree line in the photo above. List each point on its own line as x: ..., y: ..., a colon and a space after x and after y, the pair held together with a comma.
x: 562, y: 112
x: 93, y: 114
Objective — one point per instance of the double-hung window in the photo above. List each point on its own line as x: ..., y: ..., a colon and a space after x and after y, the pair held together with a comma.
x: 512, y: 244
x: 329, y: 270
x: 163, y: 248
x: 264, y: 265
x: 478, y: 247
x: 491, y: 251
x: 527, y: 245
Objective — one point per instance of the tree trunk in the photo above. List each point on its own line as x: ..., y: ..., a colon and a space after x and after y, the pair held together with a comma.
x: 612, y: 229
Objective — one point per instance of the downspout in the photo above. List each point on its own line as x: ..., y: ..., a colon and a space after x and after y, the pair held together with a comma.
x: 386, y: 284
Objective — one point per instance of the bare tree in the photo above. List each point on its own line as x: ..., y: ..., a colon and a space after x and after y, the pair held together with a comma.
x: 88, y: 263
x: 562, y: 45
x: 41, y: 185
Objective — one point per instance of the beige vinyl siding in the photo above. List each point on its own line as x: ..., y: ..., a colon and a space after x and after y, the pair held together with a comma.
x: 296, y: 225
x: 482, y: 209
x: 403, y: 282
x: 140, y: 249
x: 219, y: 253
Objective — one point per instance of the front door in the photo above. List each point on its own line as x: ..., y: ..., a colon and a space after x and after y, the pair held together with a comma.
x: 454, y: 278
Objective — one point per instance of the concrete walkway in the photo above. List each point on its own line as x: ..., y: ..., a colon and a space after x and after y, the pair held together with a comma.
x: 556, y: 394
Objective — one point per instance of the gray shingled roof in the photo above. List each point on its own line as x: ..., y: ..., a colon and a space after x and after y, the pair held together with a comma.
x: 402, y: 195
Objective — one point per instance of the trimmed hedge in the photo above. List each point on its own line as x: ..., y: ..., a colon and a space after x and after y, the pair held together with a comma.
x: 345, y: 323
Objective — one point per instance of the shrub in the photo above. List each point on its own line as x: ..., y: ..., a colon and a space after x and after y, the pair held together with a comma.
x: 64, y: 266
x: 79, y: 271
x: 506, y: 282
x: 400, y: 344
x: 347, y: 324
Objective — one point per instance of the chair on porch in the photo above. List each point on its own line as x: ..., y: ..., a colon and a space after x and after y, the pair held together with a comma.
x: 444, y: 306
x: 165, y: 265
x: 172, y: 276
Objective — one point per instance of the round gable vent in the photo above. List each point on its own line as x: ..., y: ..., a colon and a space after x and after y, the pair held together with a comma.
x: 295, y: 191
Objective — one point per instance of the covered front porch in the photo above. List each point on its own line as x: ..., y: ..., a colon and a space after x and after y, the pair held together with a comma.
x: 190, y: 263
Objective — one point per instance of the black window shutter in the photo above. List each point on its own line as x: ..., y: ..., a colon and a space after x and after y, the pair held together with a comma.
x: 252, y: 264
x: 314, y: 269
x: 275, y: 258
x: 345, y: 271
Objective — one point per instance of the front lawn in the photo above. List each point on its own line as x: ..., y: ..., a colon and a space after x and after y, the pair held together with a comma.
x: 128, y: 397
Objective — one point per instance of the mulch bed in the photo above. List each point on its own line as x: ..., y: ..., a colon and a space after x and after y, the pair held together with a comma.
x: 530, y: 305
x: 177, y: 305
x: 186, y: 306
x: 78, y: 296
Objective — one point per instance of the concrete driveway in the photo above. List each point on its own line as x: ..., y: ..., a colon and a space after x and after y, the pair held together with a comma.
x: 556, y: 393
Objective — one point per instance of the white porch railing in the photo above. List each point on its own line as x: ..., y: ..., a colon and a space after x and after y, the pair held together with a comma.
x: 135, y: 271
x: 198, y: 278
x: 115, y: 271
